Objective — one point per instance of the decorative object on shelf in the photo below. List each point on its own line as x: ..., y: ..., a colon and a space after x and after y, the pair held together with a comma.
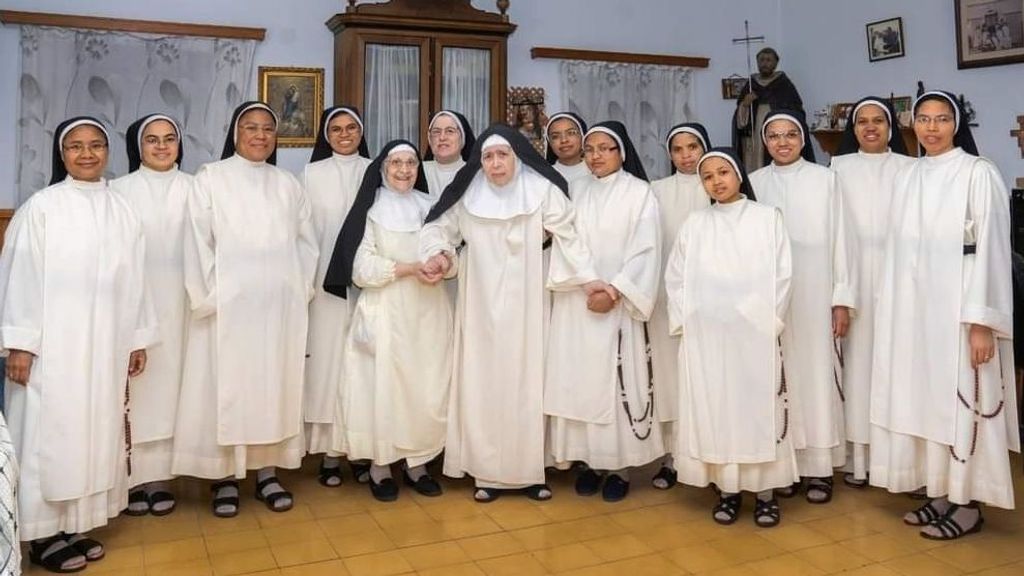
x: 732, y: 86
x: 885, y: 39
x: 840, y: 112
x: 1018, y: 134
x: 526, y: 113
x: 989, y: 33
x: 297, y: 96
x: 902, y: 105
x: 821, y: 119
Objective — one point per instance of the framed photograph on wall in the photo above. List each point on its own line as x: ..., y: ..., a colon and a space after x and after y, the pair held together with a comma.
x: 732, y: 86
x: 989, y: 32
x: 902, y: 105
x: 885, y: 39
x: 526, y: 113
x: 296, y: 95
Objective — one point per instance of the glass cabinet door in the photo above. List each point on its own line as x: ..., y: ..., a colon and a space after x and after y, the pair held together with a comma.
x: 392, y: 94
x: 466, y: 84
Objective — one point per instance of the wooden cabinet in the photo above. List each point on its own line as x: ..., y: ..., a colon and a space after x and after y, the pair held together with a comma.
x: 398, y: 61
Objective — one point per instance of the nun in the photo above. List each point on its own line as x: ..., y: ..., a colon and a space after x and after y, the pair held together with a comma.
x: 824, y: 288
x: 728, y: 286
x: 449, y: 141
x: 943, y: 398
x: 73, y: 256
x: 564, y: 138
x: 331, y: 180
x: 502, y: 204
x: 599, y: 389
x: 678, y: 195
x: 158, y: 190
x: 250, y: 258
x: 394, y: 397
x: 870, y: 154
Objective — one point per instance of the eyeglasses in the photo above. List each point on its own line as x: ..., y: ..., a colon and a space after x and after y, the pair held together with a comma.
x: 437, y: 132
x: 570, y: 133
x: 348, y: 130
x: 78, y: 147
x: 599, y: 150
x: 169, y: 140
x: 777, y: 136
x: 408, y: 164
x: 928, y: 120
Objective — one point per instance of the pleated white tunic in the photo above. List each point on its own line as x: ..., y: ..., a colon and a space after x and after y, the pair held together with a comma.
x: 331, y: 185
x: 72, y: 292
x: 439, y: 176
x: 250, y: 259
x: 935, y: 421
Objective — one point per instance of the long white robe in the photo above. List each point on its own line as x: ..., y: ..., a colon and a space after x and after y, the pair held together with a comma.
x: 728, y: 286
x: 439, y: 176
x: 159, y: 199
x: 73, y: 294
x: 678, y: 196
x: 868, y: 185
x: 398, y: 357
x: 250, y: 259
x: 331, y: 185
x: 824, y: 275
x: 576, y: 175
x: 923, y: 389
x: 596, y: 363
x: 496, y: 412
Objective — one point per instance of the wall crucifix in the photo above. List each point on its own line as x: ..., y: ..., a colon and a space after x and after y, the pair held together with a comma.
x: 1018, y: 133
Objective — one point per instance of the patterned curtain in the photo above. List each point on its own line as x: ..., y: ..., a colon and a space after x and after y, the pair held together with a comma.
x: 118, y: 77
x: 10, y: 545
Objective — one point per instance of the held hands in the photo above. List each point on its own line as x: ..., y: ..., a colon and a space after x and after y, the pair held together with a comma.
x: 136, y: 363
x: 433, y: 270
x: 601, y: 296
x: 840, y: 321
x: 983, y: 345
x: 19, y: 366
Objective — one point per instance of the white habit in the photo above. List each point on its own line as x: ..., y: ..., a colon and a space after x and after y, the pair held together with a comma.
x: 250, y: 258
x: 576, y: 175
x: 868, y: 185
x: 924, y: 393
x: 587, y: 390
x: 824, y: 275
x: 439, y: 176
x: 398, y: 354
x: 331, y: 185
x: 728, y: 286
x: 496, y: 413
x: 159, y: 200
x: 72, y: 281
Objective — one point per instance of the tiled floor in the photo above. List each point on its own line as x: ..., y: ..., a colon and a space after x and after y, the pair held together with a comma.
x: 343, y: 531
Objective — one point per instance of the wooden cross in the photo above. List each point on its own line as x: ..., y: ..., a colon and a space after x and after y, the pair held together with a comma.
x: 1018, y: 133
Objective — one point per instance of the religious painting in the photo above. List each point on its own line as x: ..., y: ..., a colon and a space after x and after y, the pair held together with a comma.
x: 732, y: 86
x: 526, y: 113
x: 989, y: 32
x: 840, y: 113
x: 902, y: 106
x: 296, y: 95
x: 885, y: 39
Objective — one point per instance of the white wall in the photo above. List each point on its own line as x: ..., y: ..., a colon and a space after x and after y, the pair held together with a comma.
x: 825, y: 50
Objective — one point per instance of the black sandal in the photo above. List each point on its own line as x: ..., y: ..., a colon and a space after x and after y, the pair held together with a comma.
x: 54, y: 561
x: 137, y: 497
x: 538, y: 492
x: 788, y: 491
x: 160, y: 497
x: 327, y: 474
x: 84, y: 545
x: 360, y: 471
x: 273, y: 498
x: 923, y: 516
x: 667, y: 474
x: 823, y: 485
x: 767, y: 513
x: 219, y: 501
x: 425, y: 485
x: 485, y: 495
x: 950, y: 529
x: 730, y: 506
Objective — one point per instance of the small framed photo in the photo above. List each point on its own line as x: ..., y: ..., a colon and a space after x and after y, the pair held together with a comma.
x: 885, y: 39
x: 732, y: 86
x: 296, y: 95
x: 525, y: 112
x: 989, y: 32
x: 840, y: 113
x: 902, y: 104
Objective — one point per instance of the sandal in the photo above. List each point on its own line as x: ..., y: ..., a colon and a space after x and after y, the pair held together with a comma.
x: 91, y: 549
x: 788, y: 491
x: 273, y: 498
x: 588, y: 482
x: 329, y: 474
x: 819, y: 490
x: 728, y: 505
x: 384, y: 491
x: 667, y: 476
x: 425, y: 485
x: 219, y: 501
x: 538, y: 492
x: 160, y: 497
x: 59, y: 559
x: 767, y: 513
x: 137, y: 497
x: 923, y: 516
x: 950, y: 529
x: 485, y: 495
x: 853, y: 482
x: 360, y: 471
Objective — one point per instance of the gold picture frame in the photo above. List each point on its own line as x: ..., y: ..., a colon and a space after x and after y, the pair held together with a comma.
x: 296, y: 95
x: 525, y: 112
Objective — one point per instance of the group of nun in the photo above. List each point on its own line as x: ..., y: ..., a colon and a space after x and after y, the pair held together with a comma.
x: 510, y: 313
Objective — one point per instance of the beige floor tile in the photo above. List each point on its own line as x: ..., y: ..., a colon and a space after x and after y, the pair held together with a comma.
x: 523, y: 564
x: 833, y: 558
x: 404, y: 535
x: 879, y: 547
x: 795, y: 537
x: 785, y: 565
x: 547, y: 536
x: 176, y: 551
x: 491, y: 546
x: 468, y: 569
x: 359, y: 543
x: 348, y: 524
x: 434, y: 555
x: 328, y: 568
x: 612, y: 548
x: 235, y: 541
x: 298, y: 532
x: 380, y: 564
x: 700, y: 558
x: 568, y: 557
x: 922, y: 565
x: 234, y: 563
x: 120, y: 558
x: 199, y: 567
x: 466, y: 527
x: 747, y: 547
x: 303, y: 552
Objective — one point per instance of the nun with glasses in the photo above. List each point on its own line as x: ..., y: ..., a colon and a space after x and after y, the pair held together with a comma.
x: 449, y: 142
x: 599, y: 390
x: 250, y: 259
x: 502, y: 204
x: 331, y: 180
x: 943, y: 398
x: 678, y: 195
x: 394, y: 393
x: 728, y: 286
x: 564, y: 138
x: 870, y: 154
x: 158, y: 190
x: 824, y: 296
x: 74, y: 324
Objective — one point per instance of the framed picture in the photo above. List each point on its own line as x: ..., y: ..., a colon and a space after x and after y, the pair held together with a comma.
x: 885, y: 39
x: 525, y: 112
x: 840, y: 113
x: 297, y: 96
x: 989, y: 32
x: 902, y: 106
x: 732, y: 86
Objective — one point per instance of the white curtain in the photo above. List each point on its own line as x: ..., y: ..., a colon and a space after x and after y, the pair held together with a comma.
x: 648, y: 99
x: 467, y: 85
x: 392, y: 94
x: 118, y: 77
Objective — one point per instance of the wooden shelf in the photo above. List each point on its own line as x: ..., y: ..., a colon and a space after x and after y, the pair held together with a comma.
x: 626, y: 57
x: 123, y: 25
